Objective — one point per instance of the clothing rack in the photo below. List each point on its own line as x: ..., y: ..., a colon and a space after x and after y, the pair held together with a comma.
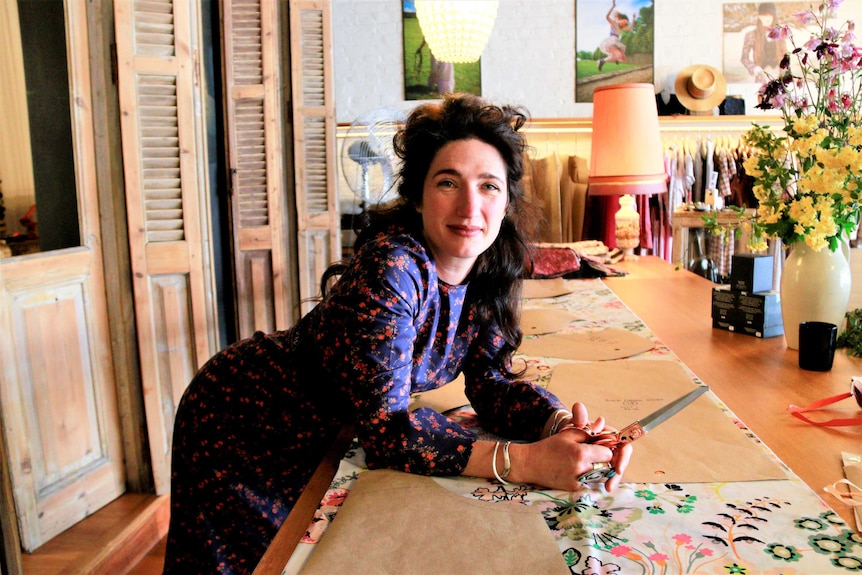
x: 572, y: 138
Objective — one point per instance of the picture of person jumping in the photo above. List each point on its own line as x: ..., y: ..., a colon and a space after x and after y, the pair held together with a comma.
x: 614, y: 49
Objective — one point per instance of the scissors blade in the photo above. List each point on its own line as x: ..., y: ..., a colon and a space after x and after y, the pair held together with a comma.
x: 662, y: 414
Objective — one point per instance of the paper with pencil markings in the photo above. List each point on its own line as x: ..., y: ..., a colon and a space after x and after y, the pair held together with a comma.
x: 535, y: 321
x: 605, y: 344
x: 700, y: 444
x: 537, y: 289
x: 402, y: 524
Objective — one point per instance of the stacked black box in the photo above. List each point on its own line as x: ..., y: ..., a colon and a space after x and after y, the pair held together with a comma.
x: 748, y: 305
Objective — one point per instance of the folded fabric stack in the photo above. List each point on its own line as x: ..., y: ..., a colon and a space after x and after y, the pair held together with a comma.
x: 585, y: 259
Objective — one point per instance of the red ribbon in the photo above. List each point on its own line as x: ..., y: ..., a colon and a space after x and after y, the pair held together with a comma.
x: 797, y: 411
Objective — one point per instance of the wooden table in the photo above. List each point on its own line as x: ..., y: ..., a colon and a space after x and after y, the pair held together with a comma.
x: 756, y: 378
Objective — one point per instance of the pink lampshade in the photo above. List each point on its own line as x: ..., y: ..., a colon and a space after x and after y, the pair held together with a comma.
x: 627, y: 155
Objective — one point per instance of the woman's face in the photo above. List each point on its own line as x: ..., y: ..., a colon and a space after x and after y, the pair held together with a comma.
x: 464, y: 200
x: 766, y: 20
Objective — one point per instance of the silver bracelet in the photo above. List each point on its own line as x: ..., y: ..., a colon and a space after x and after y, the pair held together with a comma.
x: 507, y: 463
x: 559, y: 416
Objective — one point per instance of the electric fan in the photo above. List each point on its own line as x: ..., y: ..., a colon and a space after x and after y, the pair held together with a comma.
x: 368, y: 161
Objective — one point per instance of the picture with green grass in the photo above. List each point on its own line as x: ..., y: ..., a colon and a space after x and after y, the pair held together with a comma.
x: 614, y: 44
x: 422, y: 80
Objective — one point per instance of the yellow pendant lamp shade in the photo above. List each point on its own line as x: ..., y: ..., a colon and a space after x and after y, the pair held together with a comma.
x: 456, y: 30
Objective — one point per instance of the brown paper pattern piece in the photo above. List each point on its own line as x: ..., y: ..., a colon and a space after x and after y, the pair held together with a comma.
x: 700, y: 444
x: 537, y: 321
x: 606, y: 344
x: 398, y: 523
x: 537, y: 289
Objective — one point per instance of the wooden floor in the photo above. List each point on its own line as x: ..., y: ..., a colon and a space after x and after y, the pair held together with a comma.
x: 127, y: 537
x: 153, y: 562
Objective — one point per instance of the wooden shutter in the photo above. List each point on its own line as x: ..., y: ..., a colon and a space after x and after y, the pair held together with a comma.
x: 261, y: 230
x: 318, y: 226
x: 164, y: 159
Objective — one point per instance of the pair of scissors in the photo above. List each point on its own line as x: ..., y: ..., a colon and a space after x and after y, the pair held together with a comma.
x: 611, y: 439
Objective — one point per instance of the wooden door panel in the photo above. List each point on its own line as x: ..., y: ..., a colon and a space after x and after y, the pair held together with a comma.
x: 316, y: 253
x: 59, y: 396
x: 164, y: 163
x: 256, y: 309
x: 174, y: 329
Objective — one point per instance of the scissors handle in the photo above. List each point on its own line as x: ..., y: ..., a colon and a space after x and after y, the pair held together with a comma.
x: 612, y: 439
x: 609, y: 439
x: 631, y: 432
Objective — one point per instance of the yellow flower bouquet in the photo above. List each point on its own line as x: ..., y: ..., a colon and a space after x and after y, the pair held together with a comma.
x: 808, y: 176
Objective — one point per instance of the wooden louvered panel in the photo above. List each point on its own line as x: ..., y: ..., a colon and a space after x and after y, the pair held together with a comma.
x: 261, y: 241
x: 251, y: 190
x: 154, y: 28
x: 247, y: 61
x: 316, y: 192
x: 164, y: 163
x: 160, y: 158
x: 313, y: 55
x: 319, y: 234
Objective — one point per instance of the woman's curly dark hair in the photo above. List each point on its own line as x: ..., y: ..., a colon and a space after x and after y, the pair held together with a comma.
x: 496, y: 277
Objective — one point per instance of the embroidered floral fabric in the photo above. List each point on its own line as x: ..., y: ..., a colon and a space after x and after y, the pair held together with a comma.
x: 742, y: 528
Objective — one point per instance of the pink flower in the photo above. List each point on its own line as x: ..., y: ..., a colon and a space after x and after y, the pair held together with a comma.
x: 706, y: 552
x: 658, y: 557
x: 682, y: 538
x: 621, y: 550
x: 780, y: 33
x: 804, y: 18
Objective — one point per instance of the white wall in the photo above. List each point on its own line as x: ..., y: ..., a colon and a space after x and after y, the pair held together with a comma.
x: 529, y: 59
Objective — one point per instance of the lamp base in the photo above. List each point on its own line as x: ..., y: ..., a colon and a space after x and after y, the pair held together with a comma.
x: 627, y: 227
x: 629, y: 255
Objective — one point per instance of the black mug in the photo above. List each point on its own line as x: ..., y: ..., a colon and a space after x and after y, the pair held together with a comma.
x: 817, y: 345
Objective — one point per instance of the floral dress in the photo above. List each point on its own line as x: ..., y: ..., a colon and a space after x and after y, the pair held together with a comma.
x: 258, y: 417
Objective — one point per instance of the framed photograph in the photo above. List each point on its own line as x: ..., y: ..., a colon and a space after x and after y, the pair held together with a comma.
x: 749, y: 54
x: 426, y: 78
x: 614, y: 44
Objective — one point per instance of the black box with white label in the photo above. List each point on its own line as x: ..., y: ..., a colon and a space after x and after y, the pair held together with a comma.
x: 751, y: 273
x: 757, y: 314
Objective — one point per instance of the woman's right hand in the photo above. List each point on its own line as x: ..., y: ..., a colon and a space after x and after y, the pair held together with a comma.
x: 557, y: 461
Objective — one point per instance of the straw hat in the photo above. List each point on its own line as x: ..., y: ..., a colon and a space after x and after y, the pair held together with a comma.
x: 700, y: 87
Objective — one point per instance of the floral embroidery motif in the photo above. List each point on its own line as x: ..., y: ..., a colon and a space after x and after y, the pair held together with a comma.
x: 673, y: 496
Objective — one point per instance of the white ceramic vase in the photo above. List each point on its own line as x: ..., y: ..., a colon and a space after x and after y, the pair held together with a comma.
x: 815, y: 286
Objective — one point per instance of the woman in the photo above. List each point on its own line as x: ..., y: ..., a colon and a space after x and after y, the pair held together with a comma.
x: 432, y: 291
x: 614, y: 49
x: 761, y: 55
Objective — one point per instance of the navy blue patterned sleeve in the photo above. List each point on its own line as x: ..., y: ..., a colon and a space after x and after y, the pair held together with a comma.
x: 514, y: 409
x: 380, y: 325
